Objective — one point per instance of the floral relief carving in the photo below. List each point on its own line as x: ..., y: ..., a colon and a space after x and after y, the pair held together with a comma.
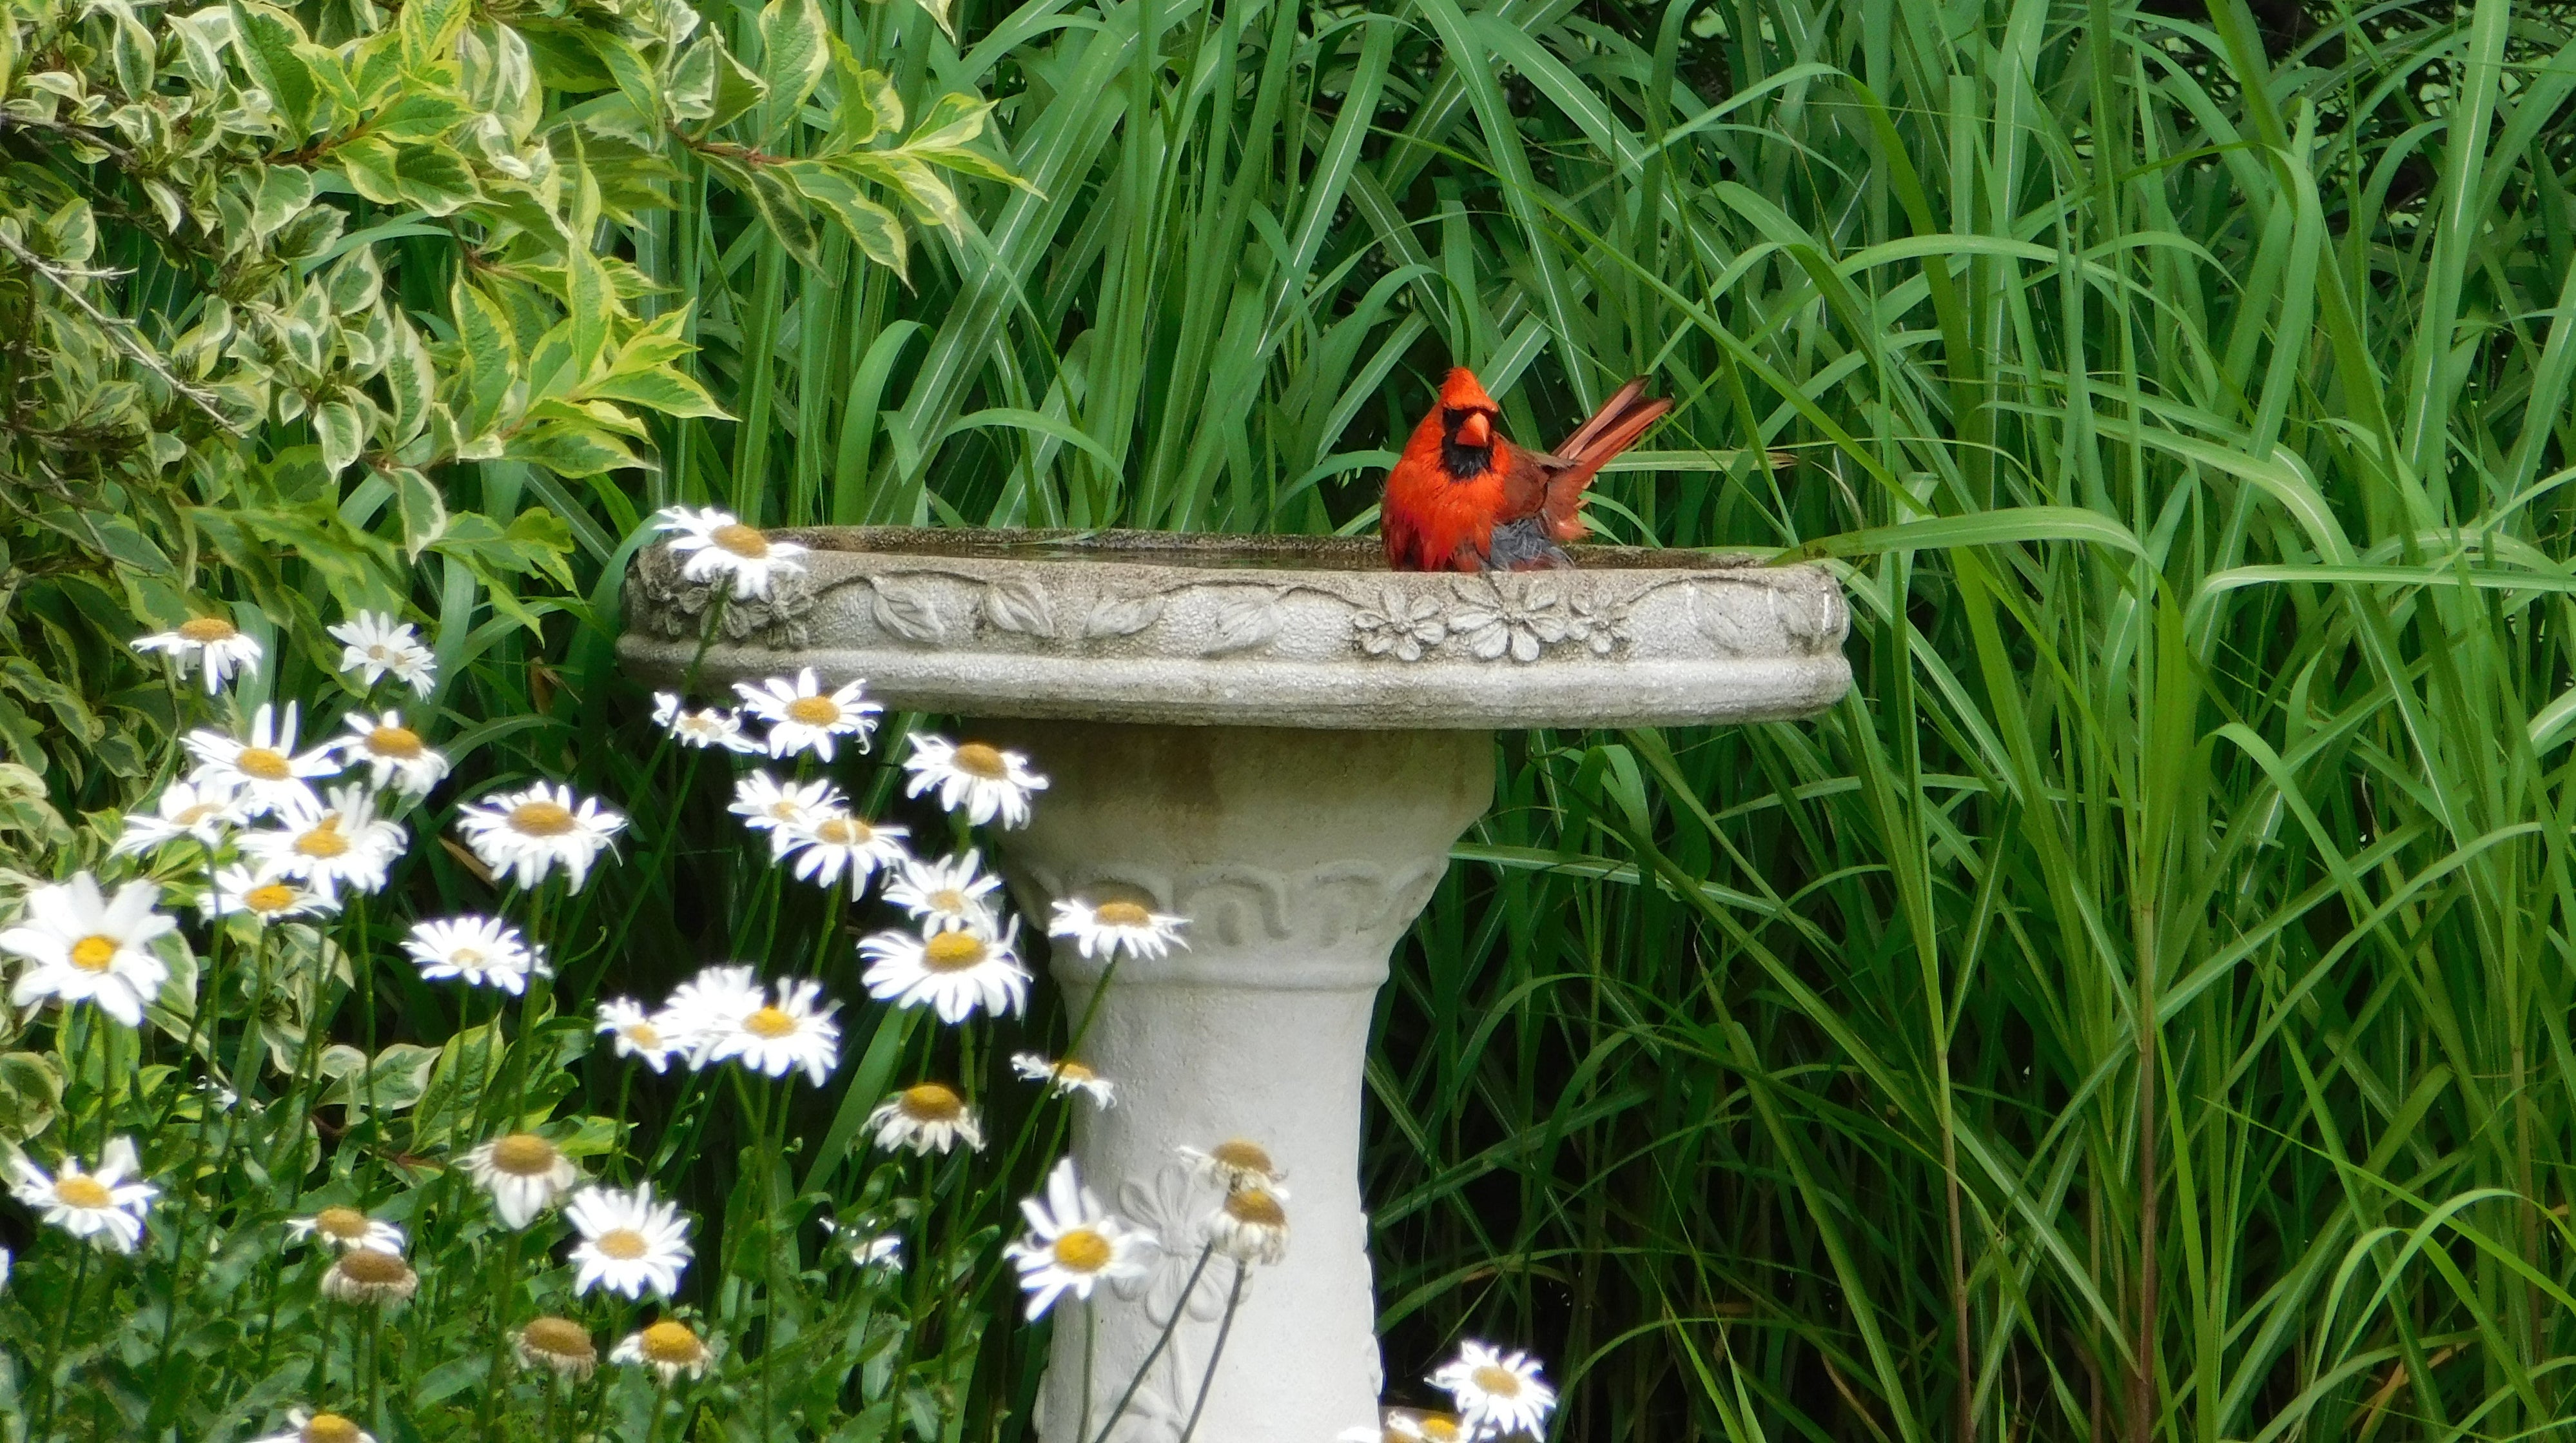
x: 1123, y: 615
x: 1019, y: 604
x: 1491, y: 619
x: 905, y: 609
x: 1245, y: 622
x: 1400, y: 626
x: 667, y: 604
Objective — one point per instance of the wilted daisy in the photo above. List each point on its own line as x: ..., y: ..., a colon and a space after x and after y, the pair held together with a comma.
x: 375, y: 643
x: 108, y: 1204
x: 530, y: 833
x: 802, y: 716
x: 367, y: 1275
x: 718, y: 544
x: 1073, y: 1243
x: 628, y: 1241
x: 668, y: 1348
x: 1495, y: 1391
x: 84, y: 947
x: 346, y: 1228
x: 1236, y: 1163
x: 481, y: 951
x: 524, y: 1173
x: 953, y: 973
x: 1065, y: 1077
x: 394, y: 753
x: 307, y: 1427
x: 927, y: 1118
x: 839, y: 841
x: 263, y: 767
x: 712, y: 727
x: 634, y: 1033
x: 766, y: 804
x: 263, y: 894
x: 184, y: 809
x: 558, y: 1345
x: 1115, y: 926
x: 982, y: 781
x: 863, y: 1247
x: 1250, y: 1227
x: 341, y: 842
x: 208, y: 639
x: 946, y: 896
x: 708, y: 1004
x: 779, y: 1037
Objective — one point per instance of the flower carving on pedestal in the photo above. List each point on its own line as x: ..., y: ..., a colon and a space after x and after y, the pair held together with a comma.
x: 666, y: 603
x: 1400, y: 626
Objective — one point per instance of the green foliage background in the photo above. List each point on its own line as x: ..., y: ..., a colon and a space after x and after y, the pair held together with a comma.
x: 2185, y: 393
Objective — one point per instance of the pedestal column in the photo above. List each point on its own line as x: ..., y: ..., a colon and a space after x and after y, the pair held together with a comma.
x: 1300, y: 857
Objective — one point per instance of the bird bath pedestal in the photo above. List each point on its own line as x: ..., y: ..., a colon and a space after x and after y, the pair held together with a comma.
x: 1280, y: 740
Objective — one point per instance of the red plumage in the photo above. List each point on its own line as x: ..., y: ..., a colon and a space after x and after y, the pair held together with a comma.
x: 1462, y: 498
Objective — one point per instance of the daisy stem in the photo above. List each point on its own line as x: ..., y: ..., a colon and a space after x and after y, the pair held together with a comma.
x: 1225, y: 1325
x: 617, y: 1131
x: 61, y: 1338
x: 504, y: 1280
x: 831, y: 928
x: 1162, y: 1340
x: 363, y: 964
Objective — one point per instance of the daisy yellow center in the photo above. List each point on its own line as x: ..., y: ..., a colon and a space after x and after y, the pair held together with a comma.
x: 1075, y: 1072
x: 466, y: 957
x: 377, y: 1269
x: 642, y: 1034
x: 948, y: 899
x: 324, y: 841
x: 559, y: 1337
x: 769, y: 1022
x: 785, y: 809
x: 81, y: 1191
x: 191, y: 816
x: 380, y: 652
x: 842, y: 831
x: 672, y: 1343
x: 93, y: 953
x: 931, y: 1102
x: 1242, y: 1156
x: 346, y: 1225
x: 266, y: 763
x: 1122, y: 914
x: 269, y: 897
x: 952, y: 952
x: 1256, y: 1208
x: 1443, y: 1429
x: 400, y: 742
x: 540, y: 819
x: 1501, y: 1382
x: 524, y: 1154
x: 743, y: 541
x: 205, y: 629
x: 623, y: 1244
x: 977, y: 759
x: 814, y: 711
x: 1082, y: 1250
x: 329, y: 1428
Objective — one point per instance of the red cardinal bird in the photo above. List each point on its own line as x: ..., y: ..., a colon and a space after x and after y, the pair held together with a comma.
x: 1464, y: 499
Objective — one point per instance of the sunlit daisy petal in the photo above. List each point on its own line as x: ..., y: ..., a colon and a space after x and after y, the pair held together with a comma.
x: 716, y: 543
x: 393, y: 753
x: 1073, y: 1244
x: 107, y: 1204
x: 628, y: 1241
x: 524, y: 1173
x: 948, y: 895
x: 712, y: 727
x: 81, y: 946
x: 706, y: 1006
x: 262, y: 767
x: 208, y: 813
x: 479, y: 951
x: 668, y: 1348
x: 928, y: 1117
x: 530, y: 833
x: 982, y: 781
x: 331, y: 844
x: 776, y: 1038
x: 633, y: 1033
x: 376, y: 644
x: 826, y: 846
x: 344, y: 1228
x: 211, y: 640
x: 1495, y: 1391
x: 802, y: 716
x: 953, y: 973
x: 767, y: 804
x: 1112, y: 927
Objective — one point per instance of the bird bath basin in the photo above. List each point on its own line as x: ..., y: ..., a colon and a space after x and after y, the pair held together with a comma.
x: 1279, y: 739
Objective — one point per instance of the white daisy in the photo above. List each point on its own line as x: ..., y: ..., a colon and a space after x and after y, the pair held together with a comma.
x: 1115, y: 926
x: 1065, y: 1077
x: 864, y: 1249
x: 307, y: 1427
x: 524, y: 1173
x: 264, y: 894
x: 370, y: 1275
x: 706, y: 1006
x: 393, y: 753
x: 718, y: 544
x: 635, y: 1034
x: 1250, y: 1227
x: 480, y: 951
x: 530, y: 833
x: 84, y: 947
x: 262, y: 767
x: 376, y: 643
x: 108, y: 1204
x: 558, y: 1345
x: 824, y: 846
x: 342, y: 842
x: 1234, y: 1164
x: 668, y: 1348
x: 766, y: 804
x: 927, y: 1118
x: 1495, y: 1391
x: 344, y: 1228
x: 946, y: 896
x: 184, y: 809
x: 983, y: 781
x: 952, y: 972
x: 1073, y: 1243
x: 804, y: 717
x: 712, y: 727
x: 210, y: 639
x: 628, y: 1241
x: 779, y: 1037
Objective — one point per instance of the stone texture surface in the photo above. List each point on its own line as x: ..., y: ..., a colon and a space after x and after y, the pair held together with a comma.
x: 1146, y: 627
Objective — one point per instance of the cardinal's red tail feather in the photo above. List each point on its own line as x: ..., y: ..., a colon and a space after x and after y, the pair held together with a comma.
x: 1612, y: 429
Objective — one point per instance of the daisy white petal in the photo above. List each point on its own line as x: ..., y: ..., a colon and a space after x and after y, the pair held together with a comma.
x: 928, y: 1117
x: 558, y: 1345
x: 530, y: 833
x: 392, y: 752
x: 628, y: 1241
x: 707, y: 1006
x: 208, y: 813
x: 1249, y: 1226
x: 1073, y: 1244
x: 81, y: 946
x: 713, y: 727
x: 953, y: 973
x: 1065, y: 1077
x: 524, y: 1173
x: 767, y: 804
x: 307, y: 1427
x: 634, y: 1033
x: 331, y: 844
x: 716, y: 543
x: 479, y: 951
x: 370, y: 1275
x: 982, y: 781
x: 376, y: 644
x: 345, y: 1228
x: 267, y: 895
x: 213, y: 640
x: 780, y: 1037
x: 1495, y: 1392
x: 1109, y: 928
x: 263, y: 767
x: 803, y: 716
x: 107, y: 1204
x: 947, y: 896
x: 828, y: 845
x: 668, y: 1348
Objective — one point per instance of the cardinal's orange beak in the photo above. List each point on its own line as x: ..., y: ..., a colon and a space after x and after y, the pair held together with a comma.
x: 1475, y: 431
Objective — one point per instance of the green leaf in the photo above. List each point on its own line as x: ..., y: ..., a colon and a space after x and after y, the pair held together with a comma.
x: 780, y: 207
x: 355, y: 282
x: 284, y: 192
x: 422, y: 509
x: 868, y: 105
x: 876, y: 231
x: 410, y: 379
x: 31, y: 1093
x: 792, y: 54
x: 658, y: 388
x: 369, y: 165
x: 590, y: 303
x: 433, y: 178
x: 267, y: 41
x: 571, y: 448
x: 491, y: 357
x: 954, y: 122
x: 429, y: 29
x: 342, y: 432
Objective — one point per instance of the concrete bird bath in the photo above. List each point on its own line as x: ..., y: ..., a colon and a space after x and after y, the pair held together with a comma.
x: 1279, y: 739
